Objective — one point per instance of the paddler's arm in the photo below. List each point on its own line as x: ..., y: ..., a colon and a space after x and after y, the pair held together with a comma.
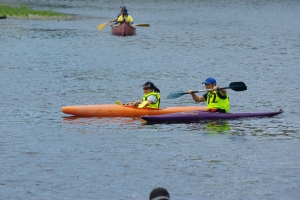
x: 195, y: 97
x: 137, y: 102
x: 149, y: 102
x: 129, y: 20
x: 134, y: 103
x: 113, y: 20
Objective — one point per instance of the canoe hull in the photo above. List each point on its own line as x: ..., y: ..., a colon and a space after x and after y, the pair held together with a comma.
x: 123, y: 30
x: 197, y: 116
x: 114, y: 110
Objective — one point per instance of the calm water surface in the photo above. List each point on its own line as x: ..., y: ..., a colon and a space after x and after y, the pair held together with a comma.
x: 45, y: 65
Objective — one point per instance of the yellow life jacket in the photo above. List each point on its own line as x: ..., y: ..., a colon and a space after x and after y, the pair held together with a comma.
x: 156, y: 105
x: 128, y: 18
x: 214, y: 101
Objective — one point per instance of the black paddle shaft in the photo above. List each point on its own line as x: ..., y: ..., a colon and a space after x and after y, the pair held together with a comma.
x: 236, y: 86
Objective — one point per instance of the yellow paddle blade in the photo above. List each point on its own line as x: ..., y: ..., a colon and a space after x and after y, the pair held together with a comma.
x: 143, y: 104
x: 119, y: 103
x: 101, y: 26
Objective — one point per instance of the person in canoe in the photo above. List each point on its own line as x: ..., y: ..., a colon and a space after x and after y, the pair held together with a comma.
x: 217, y: 99
x: 124, y: 17
x: 115, y: 20
x: 151, y: 98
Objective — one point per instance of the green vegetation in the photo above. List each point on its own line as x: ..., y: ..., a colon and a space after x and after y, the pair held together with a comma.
x: 24, y: 11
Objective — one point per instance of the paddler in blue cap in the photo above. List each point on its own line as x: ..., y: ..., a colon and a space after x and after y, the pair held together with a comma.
x: 217, y: 99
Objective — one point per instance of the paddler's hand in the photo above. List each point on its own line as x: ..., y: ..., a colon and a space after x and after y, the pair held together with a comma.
x: 215, y: 88
x: 222, y: 91
x: 136, y: 103
x: 131, y: 104
x: 190, y: 91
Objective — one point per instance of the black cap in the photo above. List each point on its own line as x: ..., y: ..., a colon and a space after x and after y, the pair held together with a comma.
x: 124, y: 9
x: 159, y: 194
x: 149, y: 85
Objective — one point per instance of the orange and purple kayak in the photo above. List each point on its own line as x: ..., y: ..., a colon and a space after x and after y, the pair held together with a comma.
x: 114, y: 110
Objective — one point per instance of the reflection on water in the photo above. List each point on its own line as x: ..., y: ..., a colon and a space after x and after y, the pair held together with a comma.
x: 206, y: 126
x: 211, y: 127
x: 215, y: 127
x: 99, y: 120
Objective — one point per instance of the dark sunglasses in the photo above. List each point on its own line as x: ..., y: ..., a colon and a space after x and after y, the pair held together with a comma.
x: 146, y: 88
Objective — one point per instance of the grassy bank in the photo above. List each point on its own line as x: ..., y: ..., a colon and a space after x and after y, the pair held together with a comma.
x: 25, y: 12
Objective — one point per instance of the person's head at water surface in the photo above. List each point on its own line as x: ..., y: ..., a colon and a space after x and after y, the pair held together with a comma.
x: 159, y: 193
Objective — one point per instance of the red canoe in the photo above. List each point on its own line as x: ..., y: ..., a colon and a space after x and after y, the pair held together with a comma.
x: 123, y: 30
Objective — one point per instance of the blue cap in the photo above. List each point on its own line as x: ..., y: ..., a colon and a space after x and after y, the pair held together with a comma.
x: 210, y: 80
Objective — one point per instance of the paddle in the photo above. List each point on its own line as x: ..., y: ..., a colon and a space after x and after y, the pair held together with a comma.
x: 143, y: 104
x: 101, y: 26
x: 143, y: 25
x: 119, y: 103
x: 236, y: 86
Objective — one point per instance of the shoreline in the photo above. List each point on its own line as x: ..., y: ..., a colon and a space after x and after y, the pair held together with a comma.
x: 40, y: 17
x: 8, y: 11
